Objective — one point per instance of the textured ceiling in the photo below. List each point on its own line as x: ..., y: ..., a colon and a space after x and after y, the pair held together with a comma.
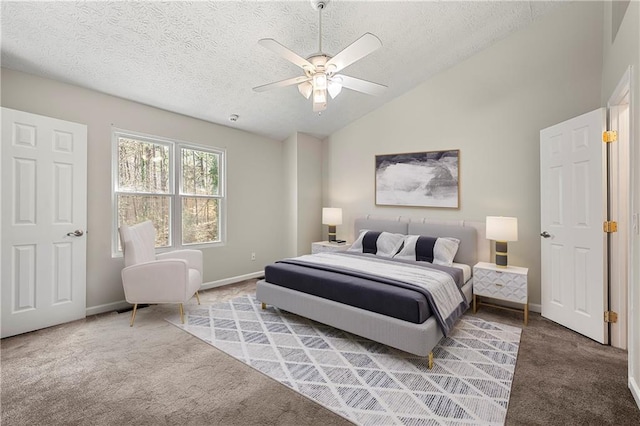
x: 202, y: 59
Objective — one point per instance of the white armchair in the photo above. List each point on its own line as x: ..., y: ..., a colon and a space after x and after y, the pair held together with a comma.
x: 172, y: 277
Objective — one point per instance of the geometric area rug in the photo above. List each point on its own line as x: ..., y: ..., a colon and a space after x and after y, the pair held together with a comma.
x: 366, y: 382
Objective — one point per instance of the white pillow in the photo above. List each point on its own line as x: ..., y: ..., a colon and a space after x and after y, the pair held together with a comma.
x: 386, y: 245
x: 444, y: 249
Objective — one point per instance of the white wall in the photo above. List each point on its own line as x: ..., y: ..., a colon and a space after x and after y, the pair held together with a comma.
x: 254, y: 178
x: 491, y: 107
x: 618, y: 55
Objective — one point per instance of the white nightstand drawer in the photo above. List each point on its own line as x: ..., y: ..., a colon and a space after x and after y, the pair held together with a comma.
x: 326, y: 246
x: 506, y: 284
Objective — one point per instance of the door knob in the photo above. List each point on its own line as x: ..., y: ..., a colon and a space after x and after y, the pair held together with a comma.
x: 545, y: 234
x: 76, y: 233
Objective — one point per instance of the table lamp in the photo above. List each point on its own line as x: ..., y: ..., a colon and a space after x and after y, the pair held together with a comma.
x: 502, y: 229
x: 332, y: 216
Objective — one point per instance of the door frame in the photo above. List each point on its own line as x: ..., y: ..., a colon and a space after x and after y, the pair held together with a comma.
x: 621, y: 266
x: 624, y: 92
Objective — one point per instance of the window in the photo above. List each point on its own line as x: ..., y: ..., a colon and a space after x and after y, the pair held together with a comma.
x: 178, y: 186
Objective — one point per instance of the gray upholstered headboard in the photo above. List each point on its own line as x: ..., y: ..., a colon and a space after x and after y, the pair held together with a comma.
x: 467, y: 251
x: 388, y: 225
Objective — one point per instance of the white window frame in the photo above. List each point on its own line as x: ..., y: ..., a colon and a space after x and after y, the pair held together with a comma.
x: 175, y: 193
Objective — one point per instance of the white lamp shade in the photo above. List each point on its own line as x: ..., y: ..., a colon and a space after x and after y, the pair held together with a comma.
x: 334, y: 89
x: 500, y: 228
x: 331, y: 216
x: 305, y: 89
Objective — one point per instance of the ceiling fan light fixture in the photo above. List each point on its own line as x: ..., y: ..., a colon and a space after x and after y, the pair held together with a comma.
x: 319, y: 96
x: 334, y: 88
x: 319, y: 81
x: 319, y: 106
x: 305, y: 89
x: 320, y: 70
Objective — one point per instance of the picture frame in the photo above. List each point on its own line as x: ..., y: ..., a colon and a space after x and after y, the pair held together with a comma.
x: 418, y: 179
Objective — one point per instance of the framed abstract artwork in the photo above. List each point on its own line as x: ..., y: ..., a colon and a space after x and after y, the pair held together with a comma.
x: 418, y: 179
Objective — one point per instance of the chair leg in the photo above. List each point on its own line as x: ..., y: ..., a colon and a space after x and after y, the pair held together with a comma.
x: 133, y: 315
x: 181, y: 313
x: 198, y: 297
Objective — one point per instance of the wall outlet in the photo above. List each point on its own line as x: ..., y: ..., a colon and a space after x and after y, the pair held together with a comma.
x: 253, y: 256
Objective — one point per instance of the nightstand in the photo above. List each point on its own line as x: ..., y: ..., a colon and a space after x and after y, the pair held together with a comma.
x: 326, y: 246
x: 508, y: 284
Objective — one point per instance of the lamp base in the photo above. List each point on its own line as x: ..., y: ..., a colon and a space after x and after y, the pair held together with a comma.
x: 501, y: 254
x: 332, y: 233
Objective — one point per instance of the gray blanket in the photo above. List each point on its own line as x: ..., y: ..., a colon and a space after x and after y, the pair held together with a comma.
x: 439, y: 284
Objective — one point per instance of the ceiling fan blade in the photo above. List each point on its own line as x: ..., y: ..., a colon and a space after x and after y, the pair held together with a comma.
x: 283, y: 83
x: 285, y: 52
x: 360, y: 85
x: 356, y: 50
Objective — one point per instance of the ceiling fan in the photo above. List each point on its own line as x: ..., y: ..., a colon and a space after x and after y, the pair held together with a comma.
x: 321, y: 70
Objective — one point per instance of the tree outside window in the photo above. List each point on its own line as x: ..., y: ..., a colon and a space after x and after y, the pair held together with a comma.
x: 176, y: 186
x: 200, y: 195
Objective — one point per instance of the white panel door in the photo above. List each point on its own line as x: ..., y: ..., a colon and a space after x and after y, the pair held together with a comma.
x: 573, y: 208
x: 44, y: 202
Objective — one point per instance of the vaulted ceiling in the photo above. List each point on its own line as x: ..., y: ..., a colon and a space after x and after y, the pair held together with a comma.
x: 202, y: 59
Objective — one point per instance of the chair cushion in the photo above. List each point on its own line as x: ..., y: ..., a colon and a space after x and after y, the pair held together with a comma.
x: 138, y: 243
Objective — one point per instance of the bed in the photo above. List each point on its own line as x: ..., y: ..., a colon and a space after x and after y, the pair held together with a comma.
x: 417, y: 333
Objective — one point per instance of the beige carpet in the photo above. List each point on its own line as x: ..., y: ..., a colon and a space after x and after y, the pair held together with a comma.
x: 101, y: 372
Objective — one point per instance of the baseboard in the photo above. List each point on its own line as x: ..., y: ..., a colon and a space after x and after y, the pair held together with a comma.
x: 535, y: 307
x: 232, y: 280
x: 108, y: 307
x: 635, y: 390
x: 123, y: 304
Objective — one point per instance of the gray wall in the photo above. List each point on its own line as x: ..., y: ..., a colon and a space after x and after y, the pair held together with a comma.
x: 310, y: 195
x: 302, y: 157
x: 254, y: 178
x: 290, y: 185
x: 491, y: 107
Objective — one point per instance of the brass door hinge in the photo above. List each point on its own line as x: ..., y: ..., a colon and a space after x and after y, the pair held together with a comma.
x: 610, y: 316
x: 610, y: 226
x: 609, y: 136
